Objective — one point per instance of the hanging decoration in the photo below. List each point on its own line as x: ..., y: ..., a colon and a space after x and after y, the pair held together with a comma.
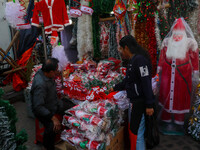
x: 194, y: 22
x: 84, y: 34
x: 113, y: 47
x: 100, y: 7
x: 104, y: 39
x: 119, y: 9
x: 145, y: 29
x: 157, y: 33
x: 132, y: 9
x: 15, y: 14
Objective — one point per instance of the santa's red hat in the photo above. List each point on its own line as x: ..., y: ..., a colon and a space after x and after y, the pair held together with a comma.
x: 179, y: 25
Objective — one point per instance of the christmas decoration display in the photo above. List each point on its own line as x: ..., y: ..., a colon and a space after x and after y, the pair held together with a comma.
x: 86, y: 81
x: 15, y: 14
x: 92, y: 123
x: 113, y: 47
x: 194, y: 121
x: 104, y: 39
x: 59, y: 53
x: 54, y: 15
x: 100, y: 7
x: 84, y: 34
x: 178, y: 49
x: 9, y: 138
x: 145, y: 29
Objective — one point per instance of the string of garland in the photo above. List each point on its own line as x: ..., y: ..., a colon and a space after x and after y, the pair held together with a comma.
x: 14, y: 139
x: 99, y: 7
x: 145, y: 29
x: 113, y: 50
x: 152, y: 47
x: 163, y: 25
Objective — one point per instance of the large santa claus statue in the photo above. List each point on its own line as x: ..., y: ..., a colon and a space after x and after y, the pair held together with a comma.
x: 178, y: 67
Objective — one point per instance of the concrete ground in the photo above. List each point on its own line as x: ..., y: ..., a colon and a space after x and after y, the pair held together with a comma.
x: 25, y: 122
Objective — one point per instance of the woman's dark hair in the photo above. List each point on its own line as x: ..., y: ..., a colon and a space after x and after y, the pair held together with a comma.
x: 133, y: 46
x: 50, y: 64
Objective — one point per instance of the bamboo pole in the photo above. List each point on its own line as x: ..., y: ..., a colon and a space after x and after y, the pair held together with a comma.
x: 11, y: 43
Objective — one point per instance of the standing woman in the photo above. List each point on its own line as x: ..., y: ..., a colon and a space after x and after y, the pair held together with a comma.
x: 137, y: 84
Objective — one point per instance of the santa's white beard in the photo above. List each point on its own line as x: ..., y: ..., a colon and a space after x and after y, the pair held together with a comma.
x: 178, y: 49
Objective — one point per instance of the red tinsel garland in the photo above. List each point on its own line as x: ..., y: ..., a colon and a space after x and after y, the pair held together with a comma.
x: 150, y: 28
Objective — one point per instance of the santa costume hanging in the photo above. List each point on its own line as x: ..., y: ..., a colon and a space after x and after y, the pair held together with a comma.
x: 178, y: 67
x: 54, y: 14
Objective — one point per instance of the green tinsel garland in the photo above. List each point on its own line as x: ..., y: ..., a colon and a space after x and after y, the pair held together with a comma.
x: 100, y: 7
x: 10, y: 113
x: 178, y: 8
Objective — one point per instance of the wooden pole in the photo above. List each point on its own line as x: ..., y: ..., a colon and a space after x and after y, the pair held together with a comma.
x: 106, y: 19
x: 23, y: 75
x: 11, y: 43
x: 45, y: 46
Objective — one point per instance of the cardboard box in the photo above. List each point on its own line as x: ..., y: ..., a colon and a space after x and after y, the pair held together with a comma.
x: 117, y: 142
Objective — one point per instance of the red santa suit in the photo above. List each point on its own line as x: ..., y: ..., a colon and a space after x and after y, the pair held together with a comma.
x: 54, y: 14
x: 176, y: 67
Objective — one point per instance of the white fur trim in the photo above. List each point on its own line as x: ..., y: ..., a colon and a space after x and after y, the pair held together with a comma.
x: 175, y: 111
x: 35, y: 24
x: 179, y: 122
x: 74, y: 13
x: 86, y: 10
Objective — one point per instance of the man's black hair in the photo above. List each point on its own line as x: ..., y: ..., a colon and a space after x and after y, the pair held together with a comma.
x: 133, y: 46
x: 50, y: 64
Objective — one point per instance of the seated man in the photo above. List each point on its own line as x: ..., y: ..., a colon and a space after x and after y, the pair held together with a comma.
x: 45, y: 103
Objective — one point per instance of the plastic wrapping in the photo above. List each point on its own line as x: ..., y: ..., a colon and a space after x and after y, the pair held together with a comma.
x: 59, y: 53
x: 122, y: 100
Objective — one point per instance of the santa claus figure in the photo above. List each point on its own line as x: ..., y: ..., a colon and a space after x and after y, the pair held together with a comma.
x: 178, y: 67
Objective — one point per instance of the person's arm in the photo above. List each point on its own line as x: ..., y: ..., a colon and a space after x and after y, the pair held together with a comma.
x: 120, y: 86
x: 145, y: 76
x: 38, y: 102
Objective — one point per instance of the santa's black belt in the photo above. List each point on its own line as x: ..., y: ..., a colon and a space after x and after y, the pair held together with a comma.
x: 176, y: 66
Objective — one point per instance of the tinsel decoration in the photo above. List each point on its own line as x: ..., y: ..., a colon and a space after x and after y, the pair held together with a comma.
x: 177, y: 9
x: 194, y: 121
x: 145, y: 29
x: 100, y: 7
x: 163, y: 23
x: 7, y: 137
x: 140, y: 33
x: 10, y: 140
x: 157, y: 32
x: 152, y: 47
x: 84, y: 34
x: 193, y: 4
x: 113, y: 47
x: 147, y: 8
x: 194, y: 23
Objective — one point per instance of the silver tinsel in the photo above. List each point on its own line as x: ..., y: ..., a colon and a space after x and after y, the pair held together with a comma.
x: 193, y: 20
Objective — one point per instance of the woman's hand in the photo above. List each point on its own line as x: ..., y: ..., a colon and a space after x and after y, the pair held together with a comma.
x: 149, y: 111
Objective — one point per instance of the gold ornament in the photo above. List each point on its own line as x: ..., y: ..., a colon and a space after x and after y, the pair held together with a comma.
x: 198, y: 108
x: 195, y: 119
x: 198, y: 85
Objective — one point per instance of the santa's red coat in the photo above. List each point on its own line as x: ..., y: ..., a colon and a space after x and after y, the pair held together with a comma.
x: 54, y: 14
x: 176, y: 79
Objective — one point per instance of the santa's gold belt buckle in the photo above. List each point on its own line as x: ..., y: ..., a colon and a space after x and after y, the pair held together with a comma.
x: 173, y: 65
